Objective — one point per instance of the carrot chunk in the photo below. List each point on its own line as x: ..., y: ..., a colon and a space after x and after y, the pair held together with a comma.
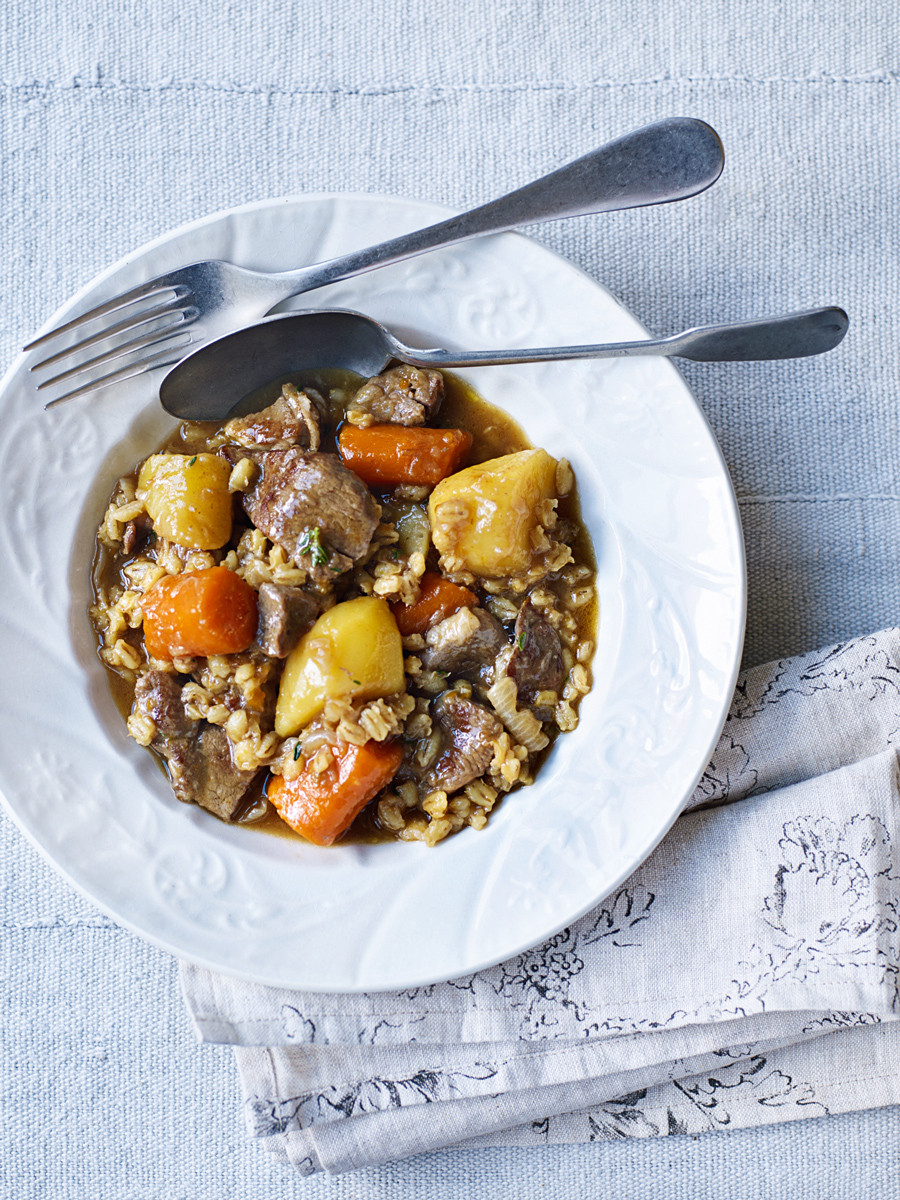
x: 212, y: 611
x: 322, y: 807
x: 439, y: 598
x: 388, y: 455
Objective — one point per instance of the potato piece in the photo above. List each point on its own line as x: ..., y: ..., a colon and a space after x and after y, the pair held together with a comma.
x: 482, y: 517
x: 353, y: 650
x: 187, y: 498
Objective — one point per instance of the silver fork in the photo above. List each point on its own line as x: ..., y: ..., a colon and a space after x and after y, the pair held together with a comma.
x: 154, y: 325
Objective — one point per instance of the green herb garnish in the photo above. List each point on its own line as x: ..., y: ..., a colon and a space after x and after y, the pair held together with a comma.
x: 311, y: 543
x: 521, y: 640
x: 358, y: 682
x: 395, y: 554
x: 192, y: 461
x: 296, y: 752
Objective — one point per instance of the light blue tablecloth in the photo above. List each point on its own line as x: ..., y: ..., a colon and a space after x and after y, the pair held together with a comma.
x: 120, y: 119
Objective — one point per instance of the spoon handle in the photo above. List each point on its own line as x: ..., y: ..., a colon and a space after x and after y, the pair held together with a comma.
x: 666, y: 161
x: 795, y: 336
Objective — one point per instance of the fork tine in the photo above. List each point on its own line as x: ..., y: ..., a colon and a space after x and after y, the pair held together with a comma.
x: 142, y: 365
x: 163, y: 334
x: 144, y: 317
x: 145, y: 291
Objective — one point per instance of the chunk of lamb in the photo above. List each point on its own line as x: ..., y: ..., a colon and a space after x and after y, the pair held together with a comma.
x: 201, y: 769
x: 284, y: 614
x: 536, y: 663
x: 298, y: 494
x: 293, y: 420
x: 469, y: 731
x: 404, y: 395
x: 465, y: 643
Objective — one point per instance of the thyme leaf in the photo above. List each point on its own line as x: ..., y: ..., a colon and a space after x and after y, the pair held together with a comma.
x: 311, y: 543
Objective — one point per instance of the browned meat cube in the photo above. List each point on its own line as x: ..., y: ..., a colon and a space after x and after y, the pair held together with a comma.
x: 536, y: 663
x: 463, y: 643
x: 404, y: 395
x: 284, y: 614
x: 293, y: 420
x: 202, y: 771
x: 201, y: 768
x: 157, y: 695
x: 469, y: 730
x: 310, y: 504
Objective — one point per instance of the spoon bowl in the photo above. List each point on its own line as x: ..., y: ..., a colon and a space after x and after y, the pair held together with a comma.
x: 210, y: 383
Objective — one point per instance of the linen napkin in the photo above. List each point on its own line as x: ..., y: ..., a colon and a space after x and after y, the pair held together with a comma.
x: 747, y: 973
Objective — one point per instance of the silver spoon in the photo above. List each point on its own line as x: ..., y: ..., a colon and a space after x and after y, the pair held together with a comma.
x: 211, y: 382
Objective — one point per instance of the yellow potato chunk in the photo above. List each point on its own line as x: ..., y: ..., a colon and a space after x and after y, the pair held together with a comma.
x: 353, y: 650
x: 482, y: 518
x: 187, y: 498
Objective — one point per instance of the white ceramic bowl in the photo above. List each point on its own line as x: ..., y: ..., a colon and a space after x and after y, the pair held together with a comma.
x: 662, y: 514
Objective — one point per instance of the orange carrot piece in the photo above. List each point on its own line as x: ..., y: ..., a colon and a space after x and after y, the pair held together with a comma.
x: 322, y: 807
x: 439, y: 598
x: 212, y: 611
x: 388, y: 455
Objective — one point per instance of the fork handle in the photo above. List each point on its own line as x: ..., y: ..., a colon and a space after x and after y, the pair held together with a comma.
x: 795, y: 336
x: 666, y: 161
